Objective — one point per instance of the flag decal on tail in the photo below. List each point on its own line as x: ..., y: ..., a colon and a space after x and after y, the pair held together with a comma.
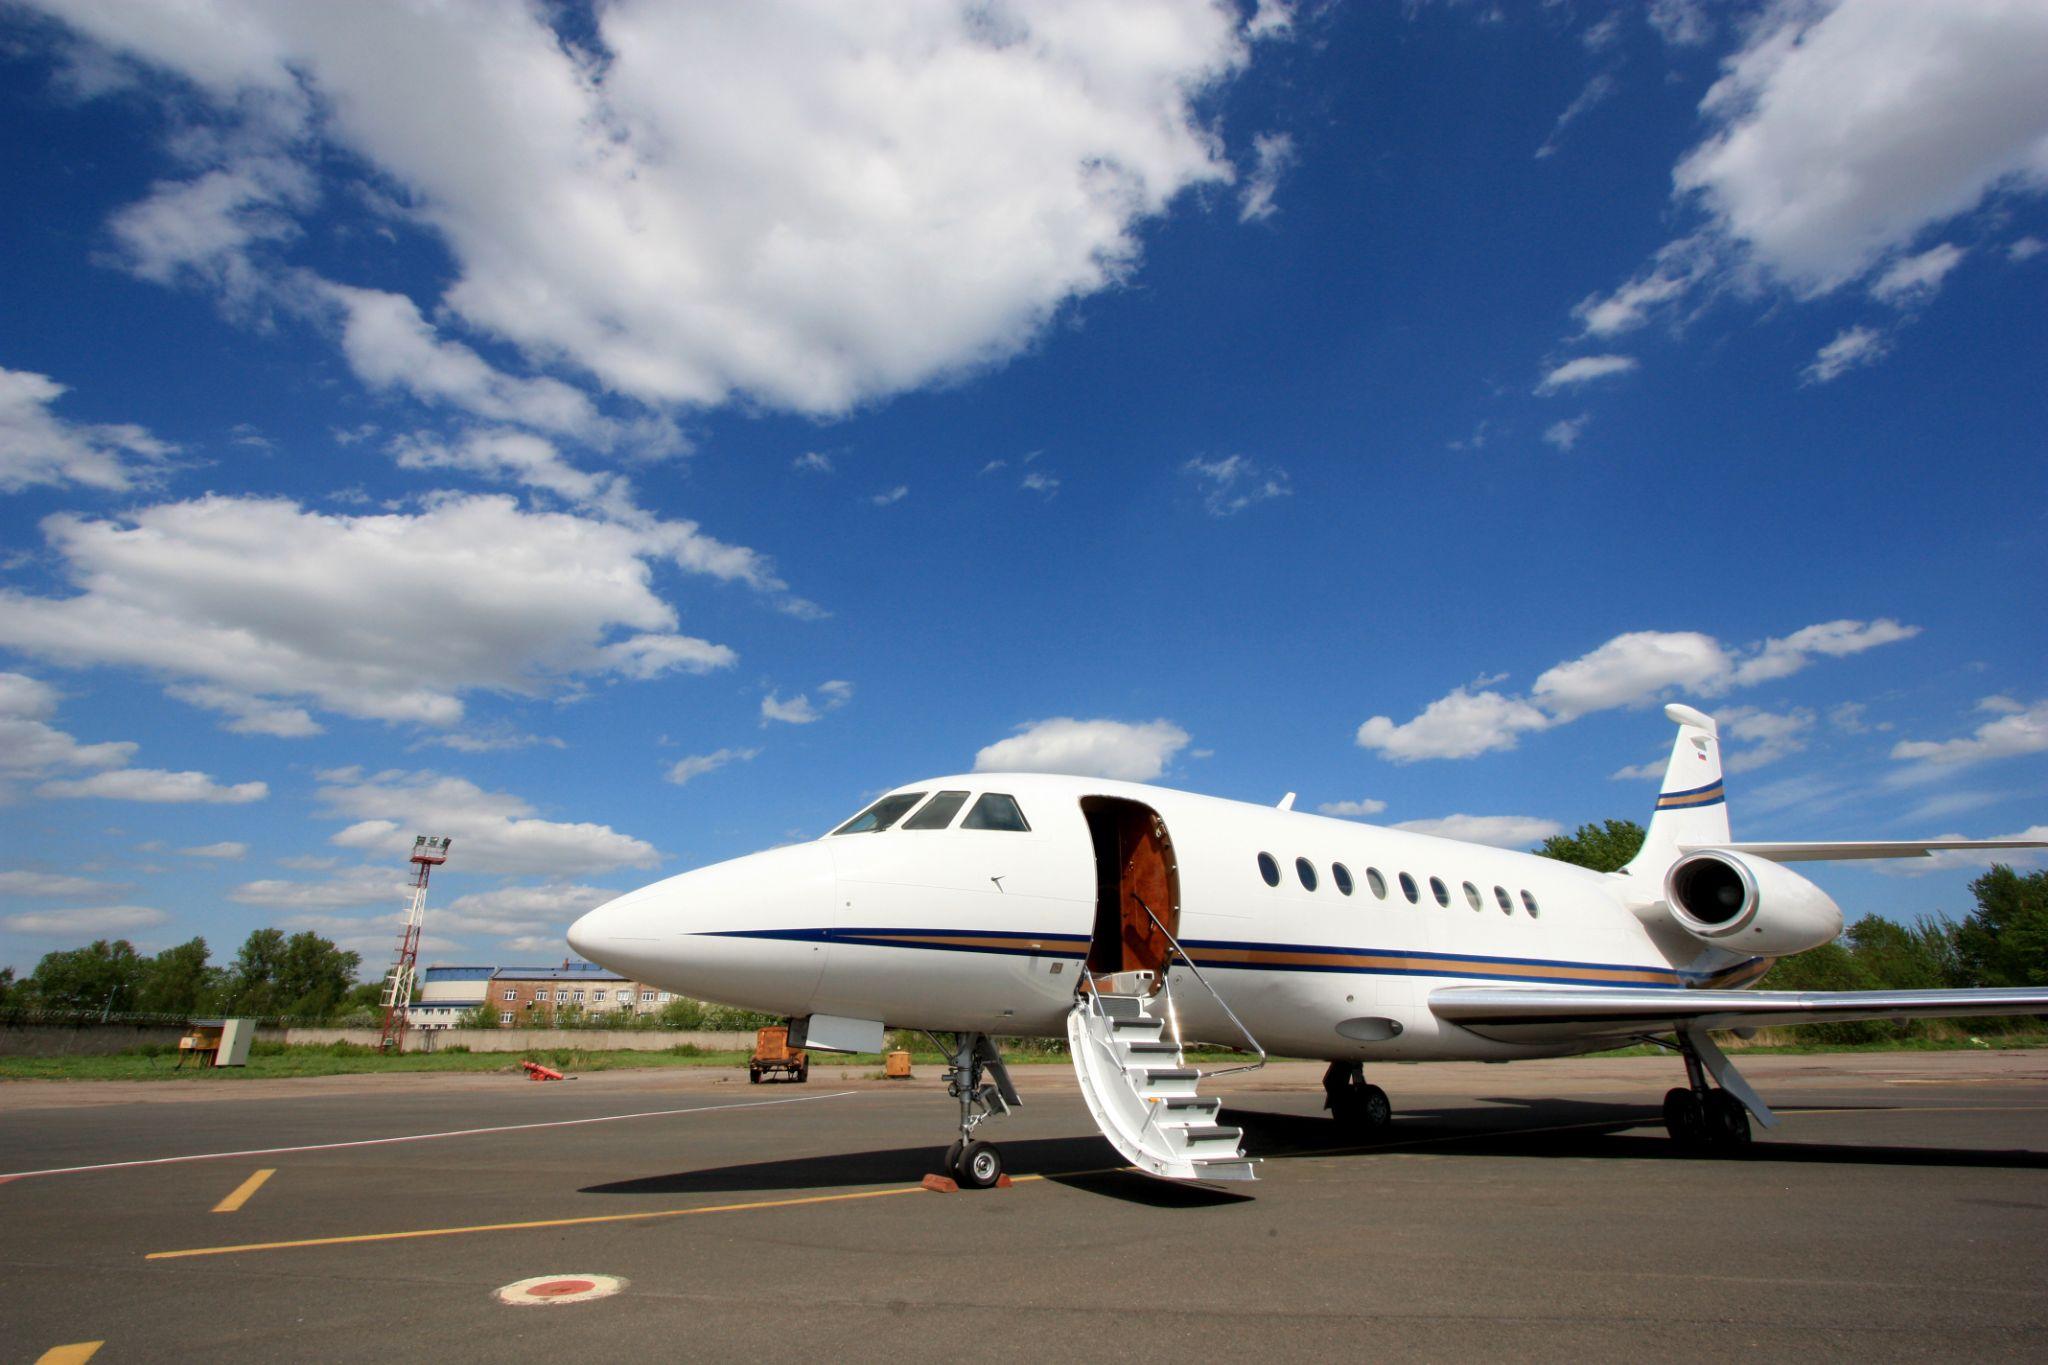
x: 1711, y: 794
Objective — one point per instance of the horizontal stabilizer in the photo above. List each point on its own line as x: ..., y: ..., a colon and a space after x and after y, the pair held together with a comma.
x: 1871, y: 848
x: 1561, y: 1013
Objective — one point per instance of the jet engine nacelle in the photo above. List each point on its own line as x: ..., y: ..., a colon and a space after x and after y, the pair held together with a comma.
x: 1749, y: 904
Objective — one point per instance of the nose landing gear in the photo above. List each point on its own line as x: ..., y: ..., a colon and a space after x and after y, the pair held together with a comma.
x: 976, y: 1164
x: 1359, y: 1109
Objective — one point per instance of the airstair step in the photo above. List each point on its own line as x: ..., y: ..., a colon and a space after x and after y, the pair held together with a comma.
x: 1136, y: 1051
x: 1208, y: 1139
x: 1239, y: 1169
x: 1141, y: 1024
x: 1122, y: 1006
x: 1186, y: 1109
x: 1166, y: 1080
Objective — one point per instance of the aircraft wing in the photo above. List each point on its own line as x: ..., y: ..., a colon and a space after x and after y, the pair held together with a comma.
x: 1871, y: 848
x: 1536, y: 1014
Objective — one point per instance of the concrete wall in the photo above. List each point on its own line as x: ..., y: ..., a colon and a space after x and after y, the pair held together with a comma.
x: 532, y: 1039
x: 97, y: 1040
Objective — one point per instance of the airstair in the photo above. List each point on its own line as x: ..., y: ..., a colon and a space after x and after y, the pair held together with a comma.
x: 1137, y: 1082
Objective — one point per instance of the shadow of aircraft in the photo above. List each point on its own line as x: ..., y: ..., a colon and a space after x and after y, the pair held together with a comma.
x: 1573, y: 1128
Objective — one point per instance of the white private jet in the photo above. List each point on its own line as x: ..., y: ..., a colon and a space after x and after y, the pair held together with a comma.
x: 1136, y: 920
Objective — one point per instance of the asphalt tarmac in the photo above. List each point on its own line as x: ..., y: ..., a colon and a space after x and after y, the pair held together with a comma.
x: 1531, y: 1211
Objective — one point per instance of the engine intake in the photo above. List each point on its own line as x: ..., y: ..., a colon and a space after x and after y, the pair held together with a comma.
x: 1748, y: 904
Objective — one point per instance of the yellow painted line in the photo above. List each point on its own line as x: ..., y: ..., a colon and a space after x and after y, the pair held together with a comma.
x: 244, y: 1190
x: 75, y: 1354
x: 547, y: 1223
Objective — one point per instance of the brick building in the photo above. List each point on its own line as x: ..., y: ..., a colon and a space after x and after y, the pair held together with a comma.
x: 531, y: 996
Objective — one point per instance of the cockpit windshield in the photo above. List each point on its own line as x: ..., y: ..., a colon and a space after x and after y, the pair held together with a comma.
x: 997, y: 811
x: 938, y: 812
x: 881, y: 815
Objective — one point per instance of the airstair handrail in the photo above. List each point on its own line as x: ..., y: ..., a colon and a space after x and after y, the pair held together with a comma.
x: 1182, y: 954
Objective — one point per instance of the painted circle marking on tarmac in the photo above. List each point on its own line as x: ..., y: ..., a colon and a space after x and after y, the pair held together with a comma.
x: 560, y: 1289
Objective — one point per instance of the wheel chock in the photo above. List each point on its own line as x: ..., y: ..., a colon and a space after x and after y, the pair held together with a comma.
x: 942, y: 1184
x: 1003, y: 1182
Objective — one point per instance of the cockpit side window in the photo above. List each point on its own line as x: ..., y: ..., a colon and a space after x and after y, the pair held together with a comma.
x: 881, y: 815
x: 938, y: 812
x: 997, y: 811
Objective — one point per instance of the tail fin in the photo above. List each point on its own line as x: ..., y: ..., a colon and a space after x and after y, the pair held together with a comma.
x: 1691, y: 806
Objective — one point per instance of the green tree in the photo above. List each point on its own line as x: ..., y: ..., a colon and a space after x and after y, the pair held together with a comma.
x: 252, y: 981
x: 178, y: 981
x: 484, y: 1015
x: 2004, y: 941
x: 104, y: 972
x: 7, y: 988
x: 1831, y: 967
x: 1604, y: 847
x: 1922, y: 958
x: 683, y: 1013
x: 314, y: 975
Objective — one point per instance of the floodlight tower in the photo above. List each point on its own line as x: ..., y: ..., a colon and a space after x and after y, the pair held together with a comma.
x: 428, y: 853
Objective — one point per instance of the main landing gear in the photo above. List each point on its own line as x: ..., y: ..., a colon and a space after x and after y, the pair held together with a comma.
x: 1358, y: 1108
x: 975, y: 1164
x: 1701, y: 1116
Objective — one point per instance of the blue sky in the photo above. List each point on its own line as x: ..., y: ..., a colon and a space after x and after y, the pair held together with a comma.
x: 626, y: 439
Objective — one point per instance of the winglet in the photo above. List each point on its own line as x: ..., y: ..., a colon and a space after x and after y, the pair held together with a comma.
x: 1287, y: 802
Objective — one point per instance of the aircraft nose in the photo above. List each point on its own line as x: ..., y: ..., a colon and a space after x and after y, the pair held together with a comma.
x: 752, y: 926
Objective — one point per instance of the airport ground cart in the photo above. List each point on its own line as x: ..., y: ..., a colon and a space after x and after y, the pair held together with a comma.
x: 773, y: 1056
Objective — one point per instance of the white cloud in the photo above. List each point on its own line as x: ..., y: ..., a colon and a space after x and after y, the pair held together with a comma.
x: 156, y: 786
x: 492, y: 831
x: 699, y: 764
x: 811, y: 462
x: 257, y: 599
x: 228, y: 850
x: 1681, y: 23
x: 53, y: 885
x: 890, y: 496
x: 1353, y: 809
x: 1270, y: 19
x: 909, y: 193
x: 1086, y: 748
x: 1667, y: 278
x: 1460, y: 725
x: 39, y: 447
x: 82, y: 924
x: 1272, y: 154
x: 1234, y: 483
x: 1638, y: 772
x: 1595, y: 90
x: 206, y: 229
x: 2015, y: 729
x: 1632, y: 669
x: 2025, y: 249
x: 1916, y: 279
x: 520, y: 911
x: 1501, y: 831
x: 1851, y: 348
x: 1564, y: 433
x: 347, y: 889
x: 1952, y: 860
x: 1834, y: 639
x: 1843, y: 130
x: 390, y: 346
x: 1584, y: 369
x: 1770, y: 735
x: 252, y: 715
x: 1038, y: 481
x: 800, y: 710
